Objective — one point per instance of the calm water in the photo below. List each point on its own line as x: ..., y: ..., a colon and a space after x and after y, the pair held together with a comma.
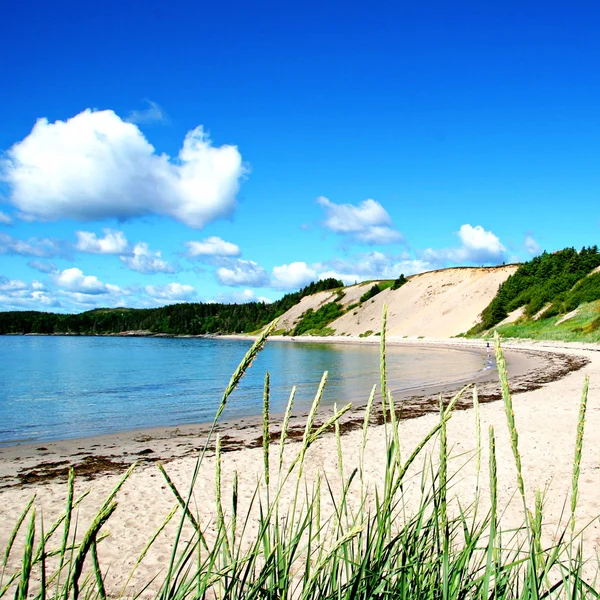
x: 65, y: 387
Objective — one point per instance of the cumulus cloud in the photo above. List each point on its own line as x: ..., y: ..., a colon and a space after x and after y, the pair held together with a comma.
x: 113, y: 242
x: 171, y: 292
x: 243, y: 273
x: 480, y: 244
x: 211, y: 246
x: 153, y: 113
x: 477, y: 246
x: 532, y: 246
x: 371, y: 265
x: 96, y: 166
x: 294, y: 275
x: 17, y: 294
x: 367, y: 222
x: 5, y: 219
x: 144, y: 260
x: 40, y: 247
x: 74, y: 280
x: 357, y: 268
x: 12, y: 285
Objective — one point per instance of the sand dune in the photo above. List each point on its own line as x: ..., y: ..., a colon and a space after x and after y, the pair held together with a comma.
x: 441, y: 303
x: 314, y: 302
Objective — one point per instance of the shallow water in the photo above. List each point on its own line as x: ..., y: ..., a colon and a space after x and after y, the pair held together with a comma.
x: 68, y: 387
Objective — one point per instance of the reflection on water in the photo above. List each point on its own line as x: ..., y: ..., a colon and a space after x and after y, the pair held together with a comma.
x: 66, y: 387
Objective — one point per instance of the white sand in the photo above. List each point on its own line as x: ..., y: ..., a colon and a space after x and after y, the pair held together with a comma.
x: 442, y: 303
x: 546, y: 420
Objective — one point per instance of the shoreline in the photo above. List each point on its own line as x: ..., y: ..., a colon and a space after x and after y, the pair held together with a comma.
x: 30, y: 463
x: 440, y: 385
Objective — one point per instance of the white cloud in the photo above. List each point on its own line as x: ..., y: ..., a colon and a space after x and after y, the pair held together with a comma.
x: 143, y: 260
x: 12, y: 285
x: 379, y: 235
x: 479, y: 243
x: 154, y: 113
x: 42, y: 267
x: 5, y: 219
x: 242, y: 297
x: 18, y: 294
x: 212, y: 246
x: 97, y: 166
x: 171, y: 292
x: 113, y: 242
x: 243, y: 273
x: 74, y: 280
x: 368, y: 222
x: 292, y: 276
x: 478, y: 246
x: 372, y: 265
x: 40, y: 247
x: 532, y: 246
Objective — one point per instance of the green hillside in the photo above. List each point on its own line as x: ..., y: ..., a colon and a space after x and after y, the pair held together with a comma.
x: 548, y: 288
x: 583, y: 326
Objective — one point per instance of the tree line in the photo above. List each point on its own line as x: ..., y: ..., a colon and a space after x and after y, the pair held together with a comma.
x: 174, y: 319
x: 561, y: 280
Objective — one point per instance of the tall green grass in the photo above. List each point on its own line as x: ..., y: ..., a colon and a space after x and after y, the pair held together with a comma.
x: 374, y: 543
x: 584, y: 326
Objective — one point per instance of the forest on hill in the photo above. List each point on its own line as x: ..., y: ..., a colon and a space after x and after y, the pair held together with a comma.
x: 175, y: 319
x: 546, y: 286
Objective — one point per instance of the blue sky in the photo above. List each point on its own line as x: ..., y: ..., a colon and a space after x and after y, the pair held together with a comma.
x: 155, y: 152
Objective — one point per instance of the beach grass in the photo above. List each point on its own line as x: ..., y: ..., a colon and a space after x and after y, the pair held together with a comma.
x: 584, y: 326
x: 374, y: 543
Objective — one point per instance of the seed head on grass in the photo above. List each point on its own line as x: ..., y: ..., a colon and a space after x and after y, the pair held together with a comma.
x: 245, y: 365
x: 266, y: 434
x: 382, y: 363
x: 285, y: 426
x: 221, y: 529
x: 310, y: 420
x: 578, y: 451
x: 510, y: 417
x: 477, y: 430
x: 338, y: 444
x: 489, y: 577
x: 88, y: 539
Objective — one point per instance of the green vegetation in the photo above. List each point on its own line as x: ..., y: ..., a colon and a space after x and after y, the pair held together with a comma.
x: 176, y: 319
x: 585, y: 290
x: 398, y: 283
x: 313, y: 323
x: 384, y: 285
x: 583, y: 327
x: 367, y: 333
x: 555, y: 279
x: 371, y: 292
x: 370, y: 543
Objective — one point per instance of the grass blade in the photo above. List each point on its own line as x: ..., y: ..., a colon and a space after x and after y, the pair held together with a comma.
x: 27, y: 556
x: 578, y: 451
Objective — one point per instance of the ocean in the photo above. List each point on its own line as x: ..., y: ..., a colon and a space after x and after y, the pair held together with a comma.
x: 63, y: 387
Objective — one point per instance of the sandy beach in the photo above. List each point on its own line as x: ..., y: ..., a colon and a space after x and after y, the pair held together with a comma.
x: 546, y: 380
